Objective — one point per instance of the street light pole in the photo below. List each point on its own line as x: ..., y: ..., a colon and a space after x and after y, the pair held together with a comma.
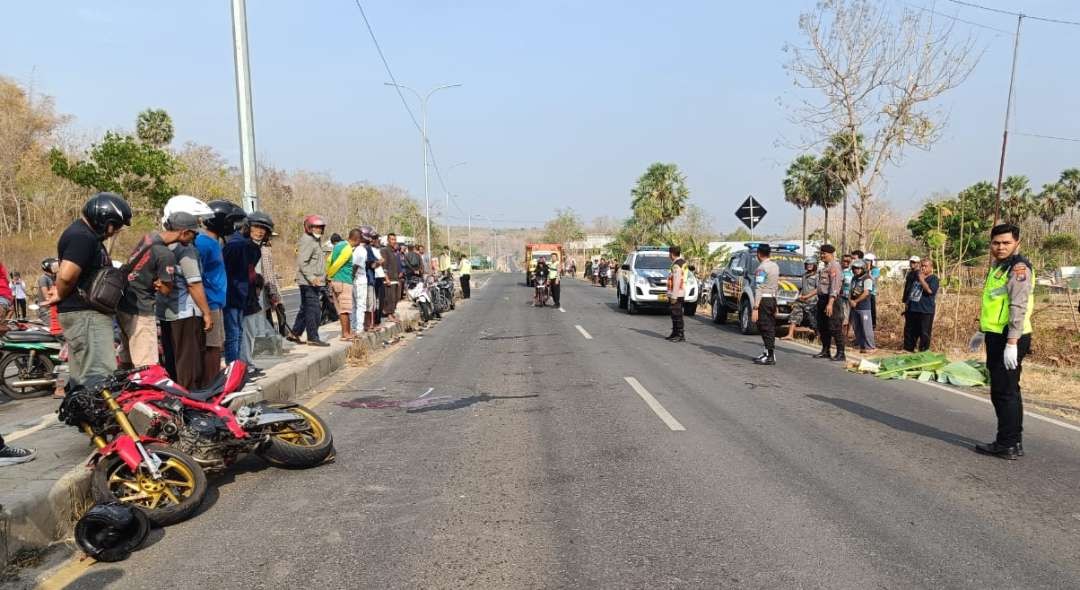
x: 424, y: 144
x: 243, y: 105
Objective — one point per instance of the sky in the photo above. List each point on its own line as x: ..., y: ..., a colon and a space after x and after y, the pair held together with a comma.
x: 562, y: 103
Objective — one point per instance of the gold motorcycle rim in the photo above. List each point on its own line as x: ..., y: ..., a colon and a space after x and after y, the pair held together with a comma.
x: 301, y: 433
x: 140, y: 489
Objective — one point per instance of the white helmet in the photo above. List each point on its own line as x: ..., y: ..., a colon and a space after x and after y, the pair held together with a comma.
x: 187, y: 204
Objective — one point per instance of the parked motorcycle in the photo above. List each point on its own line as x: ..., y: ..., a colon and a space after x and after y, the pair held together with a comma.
x: 438, y: 297
x: 205, y: 424
x: 446, y: 285
x: 165, y: 483
x: 418, y: 294
x: 30, y: 355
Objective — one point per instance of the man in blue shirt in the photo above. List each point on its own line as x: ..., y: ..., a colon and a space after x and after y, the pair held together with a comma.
x: 920, y: 306
x: 215, y: 283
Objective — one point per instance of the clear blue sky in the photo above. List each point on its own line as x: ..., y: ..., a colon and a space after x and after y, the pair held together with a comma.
x: 564, y: 103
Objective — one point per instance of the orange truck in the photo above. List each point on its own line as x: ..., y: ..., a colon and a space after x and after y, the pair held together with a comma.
x: 533, y: 254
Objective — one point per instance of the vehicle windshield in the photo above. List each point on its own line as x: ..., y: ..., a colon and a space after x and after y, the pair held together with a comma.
x: 652, y: 262
x: 790, y: 266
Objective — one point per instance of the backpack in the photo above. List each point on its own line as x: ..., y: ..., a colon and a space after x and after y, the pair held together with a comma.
x: 106, y: 288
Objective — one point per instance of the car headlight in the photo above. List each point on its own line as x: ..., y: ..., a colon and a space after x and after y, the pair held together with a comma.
x: 642, y: 281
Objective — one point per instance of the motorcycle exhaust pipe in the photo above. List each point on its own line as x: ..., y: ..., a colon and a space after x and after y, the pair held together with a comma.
x: 33, y: 383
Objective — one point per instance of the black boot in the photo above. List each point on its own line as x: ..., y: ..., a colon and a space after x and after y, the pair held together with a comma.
x: 1000, y: 451
x: 766, y: 359
x: 839, y: 357
x: 823, y: 355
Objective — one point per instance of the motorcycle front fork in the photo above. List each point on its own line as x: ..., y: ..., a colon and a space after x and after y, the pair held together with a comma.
x: 152, y: 463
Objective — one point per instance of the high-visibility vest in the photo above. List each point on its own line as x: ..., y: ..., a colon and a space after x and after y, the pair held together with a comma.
x: 994, y: 316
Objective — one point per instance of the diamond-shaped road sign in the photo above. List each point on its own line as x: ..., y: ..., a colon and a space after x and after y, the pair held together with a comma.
x: 750, y: 212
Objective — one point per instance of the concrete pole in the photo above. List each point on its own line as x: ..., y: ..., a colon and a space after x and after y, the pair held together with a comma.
x: 243, y: 105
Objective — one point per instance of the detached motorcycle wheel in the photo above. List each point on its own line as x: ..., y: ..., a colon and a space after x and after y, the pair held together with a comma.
x: 170, y: 500
x: 299, y: 444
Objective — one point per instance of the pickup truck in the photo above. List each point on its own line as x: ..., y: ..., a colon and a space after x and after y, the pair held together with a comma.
x: 642, y: 282
x: 730, y: 288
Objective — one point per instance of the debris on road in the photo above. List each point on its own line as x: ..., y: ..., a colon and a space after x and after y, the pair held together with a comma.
x: 926, y: 366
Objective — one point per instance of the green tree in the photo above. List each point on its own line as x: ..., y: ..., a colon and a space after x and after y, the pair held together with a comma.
x: 120, y: 163
x: 957, y: 228
x: 1049, y: 205
x: 659, y: 197
x: 1017, y: 200
x: 565, y: 227
x: 828, y: 190
x: 844, y: 161
x: 799, y: 186
x: 154, y: 127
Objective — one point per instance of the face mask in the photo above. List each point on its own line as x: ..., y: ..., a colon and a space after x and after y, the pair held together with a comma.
x: 316, y: 233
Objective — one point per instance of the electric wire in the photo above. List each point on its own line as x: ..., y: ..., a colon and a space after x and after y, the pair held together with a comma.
x: 1058, y: 21
x: 958, y: 19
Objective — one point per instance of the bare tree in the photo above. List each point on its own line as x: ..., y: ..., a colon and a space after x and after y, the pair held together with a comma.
x: 877, y: 77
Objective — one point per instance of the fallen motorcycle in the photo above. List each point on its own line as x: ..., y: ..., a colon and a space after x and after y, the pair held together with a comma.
x: 137, y: 470
x: 30, y: 354
x: 205, y: 424
x: 420, y: 297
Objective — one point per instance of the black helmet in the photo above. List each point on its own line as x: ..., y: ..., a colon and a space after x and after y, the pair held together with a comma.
x: 260, y: 219
x: 104, y: 210
x: 110, y: 532
x: 225, y: 219
x: 47, y: 265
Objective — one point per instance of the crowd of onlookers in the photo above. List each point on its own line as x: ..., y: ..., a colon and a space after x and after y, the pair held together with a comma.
x: 202, y: 289
x: 851, y: 283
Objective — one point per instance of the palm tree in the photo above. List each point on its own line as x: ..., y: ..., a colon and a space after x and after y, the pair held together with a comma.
x: 799, y: 187
x: 1049, y: 205
x: 846, y: 160
x: 659, y: 197
x: 154, y: 127
x: 1016, y: 201
x: 827, y: 190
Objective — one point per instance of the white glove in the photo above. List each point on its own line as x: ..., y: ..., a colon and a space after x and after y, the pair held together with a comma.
x: 1010, y: 357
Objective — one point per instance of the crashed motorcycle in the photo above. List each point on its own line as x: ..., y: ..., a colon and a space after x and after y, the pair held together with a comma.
x: 216, y: 427
x: 418, y: 294
x: 133, y: 469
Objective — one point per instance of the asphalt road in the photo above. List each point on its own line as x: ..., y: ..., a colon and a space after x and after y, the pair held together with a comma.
x: 538, y: 464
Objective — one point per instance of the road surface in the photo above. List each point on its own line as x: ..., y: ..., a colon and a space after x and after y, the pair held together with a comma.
x: 578, y: 449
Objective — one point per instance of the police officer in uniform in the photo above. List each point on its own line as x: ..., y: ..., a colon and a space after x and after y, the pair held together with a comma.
x: 829, y: 313
x: 766, y: 285
x: 553, y: 282
x: 1005, y: 321
x: 677, y: 293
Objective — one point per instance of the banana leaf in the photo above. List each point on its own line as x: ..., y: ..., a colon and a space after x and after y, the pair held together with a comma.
x: 964, y: 373
x: 897, y: 366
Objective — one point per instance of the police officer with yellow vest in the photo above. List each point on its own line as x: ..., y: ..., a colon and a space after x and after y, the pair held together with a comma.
x: 553, y: 281
x: 676, y: 293
x: 1005, y: 321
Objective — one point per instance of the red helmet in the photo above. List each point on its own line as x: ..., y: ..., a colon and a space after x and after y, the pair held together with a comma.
x: 313, y: 221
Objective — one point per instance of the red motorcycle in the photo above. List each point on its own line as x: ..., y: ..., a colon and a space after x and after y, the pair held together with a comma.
x: 165, y: 483
x: 216, y: 427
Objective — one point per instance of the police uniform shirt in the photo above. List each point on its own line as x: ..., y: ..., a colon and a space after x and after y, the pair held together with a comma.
x: 766, y: 281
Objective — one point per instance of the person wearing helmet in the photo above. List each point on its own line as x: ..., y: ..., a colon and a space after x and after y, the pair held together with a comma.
x: 311, y: 276
x: 183, y: 310
x: 218, y: 225
x: 803, y: 309
x: 82, y: 254
x: 241, y: 253
x: 874, y: 273
x: 45, y: 285
x: 859, y: 301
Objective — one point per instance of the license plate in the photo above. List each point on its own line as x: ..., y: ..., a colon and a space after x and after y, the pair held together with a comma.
x: 661, y: 297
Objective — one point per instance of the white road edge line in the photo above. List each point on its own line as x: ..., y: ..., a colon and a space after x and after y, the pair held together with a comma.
x: 654, y: 405
x: 45, y: 421
x: 971, y: 396
x: 583, y: 332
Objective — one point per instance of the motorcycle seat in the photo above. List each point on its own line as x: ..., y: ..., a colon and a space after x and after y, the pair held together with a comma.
x: 30, y: 336
x: 202, y: 395
x: 233, y: 377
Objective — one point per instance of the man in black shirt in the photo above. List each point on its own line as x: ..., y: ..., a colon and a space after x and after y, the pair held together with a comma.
x: 89, y: 333
x: 152, y: 268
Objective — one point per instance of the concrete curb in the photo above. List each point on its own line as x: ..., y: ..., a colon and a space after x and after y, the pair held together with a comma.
x: 36, y: 522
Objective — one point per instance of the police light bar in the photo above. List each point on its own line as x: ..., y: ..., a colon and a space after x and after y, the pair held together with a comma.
x: 652, y: 248
x: 785, y: 247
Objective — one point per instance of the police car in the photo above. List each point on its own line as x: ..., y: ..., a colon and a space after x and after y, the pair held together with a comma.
x: 731, y: 287
x: 642, y: 281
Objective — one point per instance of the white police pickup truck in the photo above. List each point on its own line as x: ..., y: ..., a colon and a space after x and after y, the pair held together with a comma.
x: 642, y: 282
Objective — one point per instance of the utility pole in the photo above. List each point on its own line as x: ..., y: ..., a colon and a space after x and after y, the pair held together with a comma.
x: 1008, y: 115
x: 468, y: 218
x: 243, y: 105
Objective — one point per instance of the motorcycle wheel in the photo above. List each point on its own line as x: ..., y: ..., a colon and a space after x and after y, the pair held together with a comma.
x: 425, y: 311
x: 14, y: 367
x: 299, y: 444
x: 173, y: 499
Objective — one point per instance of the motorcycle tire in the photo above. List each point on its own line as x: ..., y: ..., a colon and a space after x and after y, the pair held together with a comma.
x: 299, y: 450
x: 43, y: 369
x: 162, y: 515
x: 425, y: 311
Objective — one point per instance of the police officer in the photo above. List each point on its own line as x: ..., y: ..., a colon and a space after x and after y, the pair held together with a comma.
x: 766, y: 285
x: 553, y: 281
x: 676, y: 293
x: 805, y: 307
x: 1005, y: 321
x: 829, y: 312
